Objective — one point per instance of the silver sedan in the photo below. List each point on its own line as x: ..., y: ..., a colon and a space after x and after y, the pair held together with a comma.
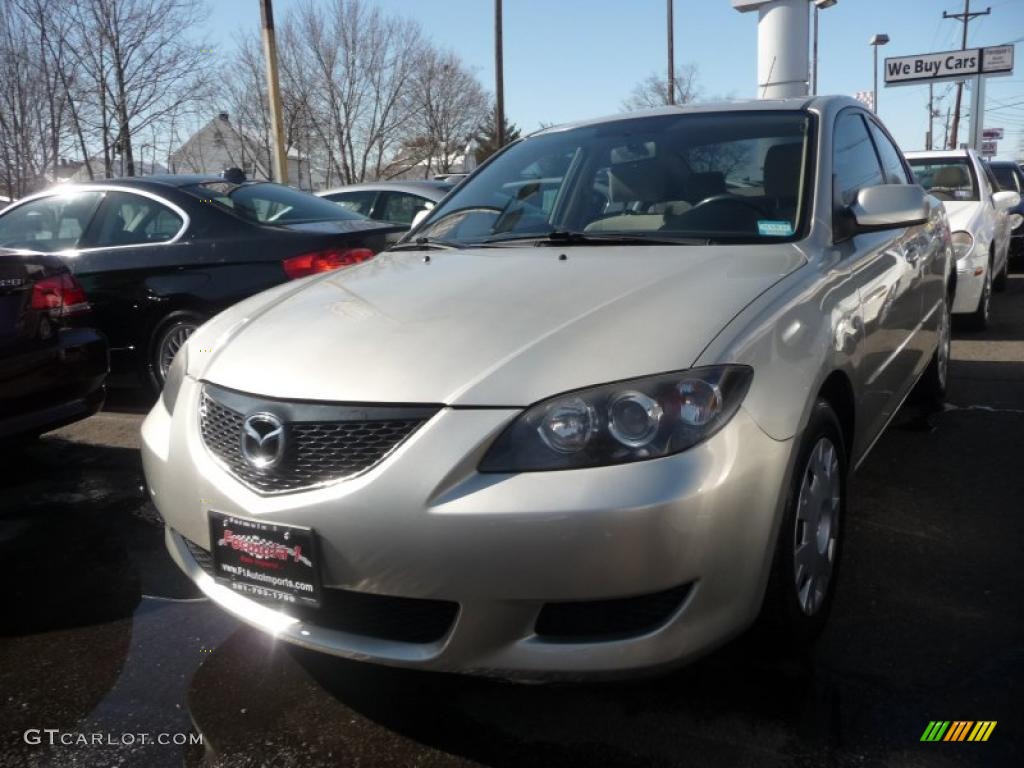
x: 595, y: 415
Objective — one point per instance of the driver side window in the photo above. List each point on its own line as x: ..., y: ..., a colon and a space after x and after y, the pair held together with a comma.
x: 129, y: 219
x: 854, y: 162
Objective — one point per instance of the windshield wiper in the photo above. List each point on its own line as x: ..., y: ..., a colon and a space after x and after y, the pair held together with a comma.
x: 566, y: 237
x: 427, y: 243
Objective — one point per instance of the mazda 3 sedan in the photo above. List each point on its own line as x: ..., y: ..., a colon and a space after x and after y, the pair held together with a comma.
x: 595, y: 414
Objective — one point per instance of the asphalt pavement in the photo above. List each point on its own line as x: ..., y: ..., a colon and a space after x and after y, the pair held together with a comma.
x: 103, y: 640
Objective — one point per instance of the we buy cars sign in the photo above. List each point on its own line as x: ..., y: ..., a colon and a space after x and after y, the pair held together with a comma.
x: 949, y: 65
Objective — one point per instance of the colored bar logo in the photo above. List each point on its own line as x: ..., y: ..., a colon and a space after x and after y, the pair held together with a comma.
x: 958, y: 730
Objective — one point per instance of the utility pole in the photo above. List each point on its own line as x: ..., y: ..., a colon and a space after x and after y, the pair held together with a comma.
x: 499, y: 79
x: 280, y: 162
x: 964, y: 18
x: 671, y: 57
x: 931, y: 116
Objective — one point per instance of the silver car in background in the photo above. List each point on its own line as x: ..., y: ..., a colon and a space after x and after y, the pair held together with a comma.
x: 396, y: 202
x: 595, y: 415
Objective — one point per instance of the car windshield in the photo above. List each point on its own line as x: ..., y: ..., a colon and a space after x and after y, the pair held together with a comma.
x: 732, y: 176
x: 946, y: 178
x: 267, y: 203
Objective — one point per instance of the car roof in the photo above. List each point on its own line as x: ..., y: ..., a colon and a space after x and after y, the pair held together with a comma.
x: 412, y: 186
x: 801, y: 103
x: 165, y: 180
x: 1001, y: 163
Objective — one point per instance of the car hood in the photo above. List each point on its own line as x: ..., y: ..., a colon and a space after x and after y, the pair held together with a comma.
x: 963, y: 215
x: 495, y: 327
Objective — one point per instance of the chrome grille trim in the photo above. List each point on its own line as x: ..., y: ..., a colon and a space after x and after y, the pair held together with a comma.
x: 325, y: 442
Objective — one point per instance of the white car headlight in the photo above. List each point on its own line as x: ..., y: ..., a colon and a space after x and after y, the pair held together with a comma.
x: 963, y: 242
x: 623, y: 422
x: 175, y: 376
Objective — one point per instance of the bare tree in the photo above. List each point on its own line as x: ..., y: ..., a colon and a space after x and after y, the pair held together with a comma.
x: 653, y: 90
x: 450, y: 104
x: 138, y: 64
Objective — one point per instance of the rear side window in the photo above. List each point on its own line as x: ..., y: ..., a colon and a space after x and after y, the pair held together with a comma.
x: 892, y: 163
x: 854, y: 162
x: 360, y: 202
x: 267, y: 203
x: 49, y: 224
x: 401, y: 207
x: 130, y: 219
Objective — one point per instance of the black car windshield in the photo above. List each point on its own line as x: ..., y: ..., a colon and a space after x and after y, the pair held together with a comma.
x: 1006, y: 177
x: 698, y: 177
x: 267, y: 203
x: 947, y: 178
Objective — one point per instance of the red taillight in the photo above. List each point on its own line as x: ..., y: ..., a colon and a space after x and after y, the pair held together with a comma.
x: 324, y: 261
x: 60, y: 294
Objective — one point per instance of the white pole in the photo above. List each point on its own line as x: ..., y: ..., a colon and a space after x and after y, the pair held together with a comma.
x: 782, y: 46
x: 977, y: 112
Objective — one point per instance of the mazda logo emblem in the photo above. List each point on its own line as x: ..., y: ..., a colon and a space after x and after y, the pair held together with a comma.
x: 263, y: 440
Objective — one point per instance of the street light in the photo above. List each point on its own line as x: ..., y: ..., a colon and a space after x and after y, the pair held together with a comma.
x: 818, y: 5
x: 876, y: 41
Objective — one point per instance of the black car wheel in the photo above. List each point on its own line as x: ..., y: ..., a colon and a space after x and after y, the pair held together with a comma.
x: 168, y: 338
x: 978, y: 320
x: 931, y: 388
x: 999, y: 284
x: 807, y: 553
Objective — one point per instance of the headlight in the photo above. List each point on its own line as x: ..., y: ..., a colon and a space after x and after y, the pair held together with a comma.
x: 963, y: 242
x: 617, y: 423
x: 175, y: 376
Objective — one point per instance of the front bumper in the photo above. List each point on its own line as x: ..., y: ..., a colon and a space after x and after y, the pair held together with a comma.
x: 424, y: 524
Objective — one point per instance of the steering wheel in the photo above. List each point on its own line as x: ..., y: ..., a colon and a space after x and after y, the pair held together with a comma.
x: 730, y: 199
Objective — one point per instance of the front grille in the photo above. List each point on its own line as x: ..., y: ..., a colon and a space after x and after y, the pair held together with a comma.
x: 323, y: 443
x: 401, y: 619
x: 602, y: 620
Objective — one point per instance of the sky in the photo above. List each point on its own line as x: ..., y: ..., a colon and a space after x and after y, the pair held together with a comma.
x: 568, y: 60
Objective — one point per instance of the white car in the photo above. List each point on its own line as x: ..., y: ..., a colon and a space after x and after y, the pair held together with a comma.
x: 979, y: 220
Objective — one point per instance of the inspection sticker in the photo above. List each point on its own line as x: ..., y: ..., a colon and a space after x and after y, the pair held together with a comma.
x: 774, y: 228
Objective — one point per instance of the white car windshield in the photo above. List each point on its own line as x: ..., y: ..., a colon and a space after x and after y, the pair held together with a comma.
x: 947, y: 178
x: 725, y: 176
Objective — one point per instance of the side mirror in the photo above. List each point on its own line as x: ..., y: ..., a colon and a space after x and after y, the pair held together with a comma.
x: 888, y: 206
x: 1004, y: 201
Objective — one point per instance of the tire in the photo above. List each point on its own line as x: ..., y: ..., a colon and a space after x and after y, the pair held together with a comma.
x: 930, y: 391
x: 978, y: 320
x: 799, y: 597
x: 167, y: 339
x: 999, y: 284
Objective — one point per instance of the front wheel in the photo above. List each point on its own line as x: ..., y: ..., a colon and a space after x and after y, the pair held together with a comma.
x: 806, y: 562
x: 168, y: 338
x: 999, y: 284
x: 979, y: 319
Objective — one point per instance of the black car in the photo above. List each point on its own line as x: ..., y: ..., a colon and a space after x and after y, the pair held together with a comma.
x: 1011, y: 179
x: 159, y: 255
x: 52, y: 363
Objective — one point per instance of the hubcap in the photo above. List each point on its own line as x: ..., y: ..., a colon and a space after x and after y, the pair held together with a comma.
x: 943, y: 350
x: 817, y: 526
x: 169, y: 346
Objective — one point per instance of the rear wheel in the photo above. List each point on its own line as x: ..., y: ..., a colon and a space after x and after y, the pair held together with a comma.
x: 807, y: 552
x: 931, y: 388
x: 168, y: 338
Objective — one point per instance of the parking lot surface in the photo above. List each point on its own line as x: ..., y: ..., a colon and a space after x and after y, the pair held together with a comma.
x: 100, y: 633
